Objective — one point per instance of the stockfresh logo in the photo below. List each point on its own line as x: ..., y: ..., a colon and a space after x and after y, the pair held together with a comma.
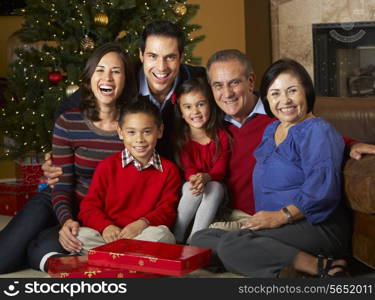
x: 12, y: 290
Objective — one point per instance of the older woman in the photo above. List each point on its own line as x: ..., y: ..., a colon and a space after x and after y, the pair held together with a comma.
x: 81, y: 139
x: 300, y: 219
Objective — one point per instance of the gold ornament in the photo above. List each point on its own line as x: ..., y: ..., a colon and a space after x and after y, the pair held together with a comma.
x: 180, y: 9
x: 122, y: 34
x: 71, y: 89
x: 87, y: 43
x: 101, y: 19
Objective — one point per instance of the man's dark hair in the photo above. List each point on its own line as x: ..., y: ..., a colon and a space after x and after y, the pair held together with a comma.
x: 140, y: 104
x: 287, y: 65
x: 163, y: 28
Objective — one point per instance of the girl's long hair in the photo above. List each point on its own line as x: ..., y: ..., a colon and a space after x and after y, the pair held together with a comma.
x: 214, y: 123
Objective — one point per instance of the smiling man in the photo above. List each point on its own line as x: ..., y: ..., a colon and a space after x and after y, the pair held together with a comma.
x: 161, y: 50
x: 232, y: 80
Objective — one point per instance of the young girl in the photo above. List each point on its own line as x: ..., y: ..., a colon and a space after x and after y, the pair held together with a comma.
x: 202, y: 150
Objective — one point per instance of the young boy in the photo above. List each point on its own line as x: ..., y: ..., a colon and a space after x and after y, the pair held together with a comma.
x: 134, y: 193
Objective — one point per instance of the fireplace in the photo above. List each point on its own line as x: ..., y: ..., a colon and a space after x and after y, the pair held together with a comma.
x: 344, y: 59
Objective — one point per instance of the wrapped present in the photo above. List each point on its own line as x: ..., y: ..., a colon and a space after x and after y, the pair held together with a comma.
x: 29, y: 169
x: 14, y: 194
x: 77, y: 267
x: 153, y: 257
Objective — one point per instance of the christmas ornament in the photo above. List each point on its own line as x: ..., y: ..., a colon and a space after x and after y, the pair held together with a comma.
x: 101, y: 19
x: 122, y: 34
x: 71, y: 89
x: 54, y: 77
x: 87, y: 43
x: 180, y: 9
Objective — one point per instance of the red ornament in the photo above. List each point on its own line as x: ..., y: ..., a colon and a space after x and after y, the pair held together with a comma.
x: 54, y: 77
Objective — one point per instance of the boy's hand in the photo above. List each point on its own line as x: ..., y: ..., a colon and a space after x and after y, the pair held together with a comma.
x: 133, y: 229
x: 50, y: 171
x: 67, y: 236
x: 111, y: 233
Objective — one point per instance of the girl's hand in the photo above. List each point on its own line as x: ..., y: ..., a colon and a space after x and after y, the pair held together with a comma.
x: 111, y: 233
x: 67, y: 236
x: 133, y: 229
x: 265, y: 219
x: 197, y: 186
x: 198, y: 182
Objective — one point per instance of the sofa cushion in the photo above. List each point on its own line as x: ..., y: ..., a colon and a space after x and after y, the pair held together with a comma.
x: 359, y: 180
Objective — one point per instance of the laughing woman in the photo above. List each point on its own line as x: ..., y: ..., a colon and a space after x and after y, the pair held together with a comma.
x: 81, y: 139
x: 300, y: 219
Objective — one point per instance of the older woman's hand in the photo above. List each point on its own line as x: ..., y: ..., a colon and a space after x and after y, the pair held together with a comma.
x: 265, y: 219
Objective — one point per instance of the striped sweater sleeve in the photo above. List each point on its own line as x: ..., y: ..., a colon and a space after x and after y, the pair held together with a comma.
x: 63, y: 156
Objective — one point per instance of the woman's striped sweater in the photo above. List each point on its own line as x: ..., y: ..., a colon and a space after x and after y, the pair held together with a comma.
x: 78, y: 146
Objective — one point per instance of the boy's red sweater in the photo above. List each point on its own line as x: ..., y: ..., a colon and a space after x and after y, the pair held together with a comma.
x: 119, y: 196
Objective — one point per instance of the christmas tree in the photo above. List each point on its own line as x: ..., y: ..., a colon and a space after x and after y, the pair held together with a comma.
x: 58, y: 38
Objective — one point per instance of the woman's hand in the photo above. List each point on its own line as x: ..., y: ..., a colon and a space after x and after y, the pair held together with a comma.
x: 111, y: 233
x: 265, y: 219
x: 50, y: 171
x: 133, y: 229
x: 67, y: 236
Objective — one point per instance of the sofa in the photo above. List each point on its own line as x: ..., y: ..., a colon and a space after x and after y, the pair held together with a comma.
x: 355, y: 118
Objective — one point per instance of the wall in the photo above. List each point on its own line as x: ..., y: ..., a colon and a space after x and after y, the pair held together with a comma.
x: 8, y: 25
x: 223, y: 24
x: 258, y: 36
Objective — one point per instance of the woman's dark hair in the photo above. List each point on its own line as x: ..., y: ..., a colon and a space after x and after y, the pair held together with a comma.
x: 140, y: 104
x: 163, y: 28
x: 88, y: 104
x: 287, y: 65
x: 214, y: 123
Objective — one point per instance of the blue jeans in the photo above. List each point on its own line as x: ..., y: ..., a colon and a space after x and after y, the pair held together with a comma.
x: 35, y: 216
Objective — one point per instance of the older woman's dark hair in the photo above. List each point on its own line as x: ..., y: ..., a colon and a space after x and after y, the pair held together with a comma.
x: 214, y: 123
x: 287, y: 65
x: 88, y: 104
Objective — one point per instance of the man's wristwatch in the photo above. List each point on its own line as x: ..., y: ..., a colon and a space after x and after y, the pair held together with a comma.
x: 288, y: 214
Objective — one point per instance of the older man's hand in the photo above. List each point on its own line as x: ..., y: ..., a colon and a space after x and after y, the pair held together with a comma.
x: 358, y: 149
